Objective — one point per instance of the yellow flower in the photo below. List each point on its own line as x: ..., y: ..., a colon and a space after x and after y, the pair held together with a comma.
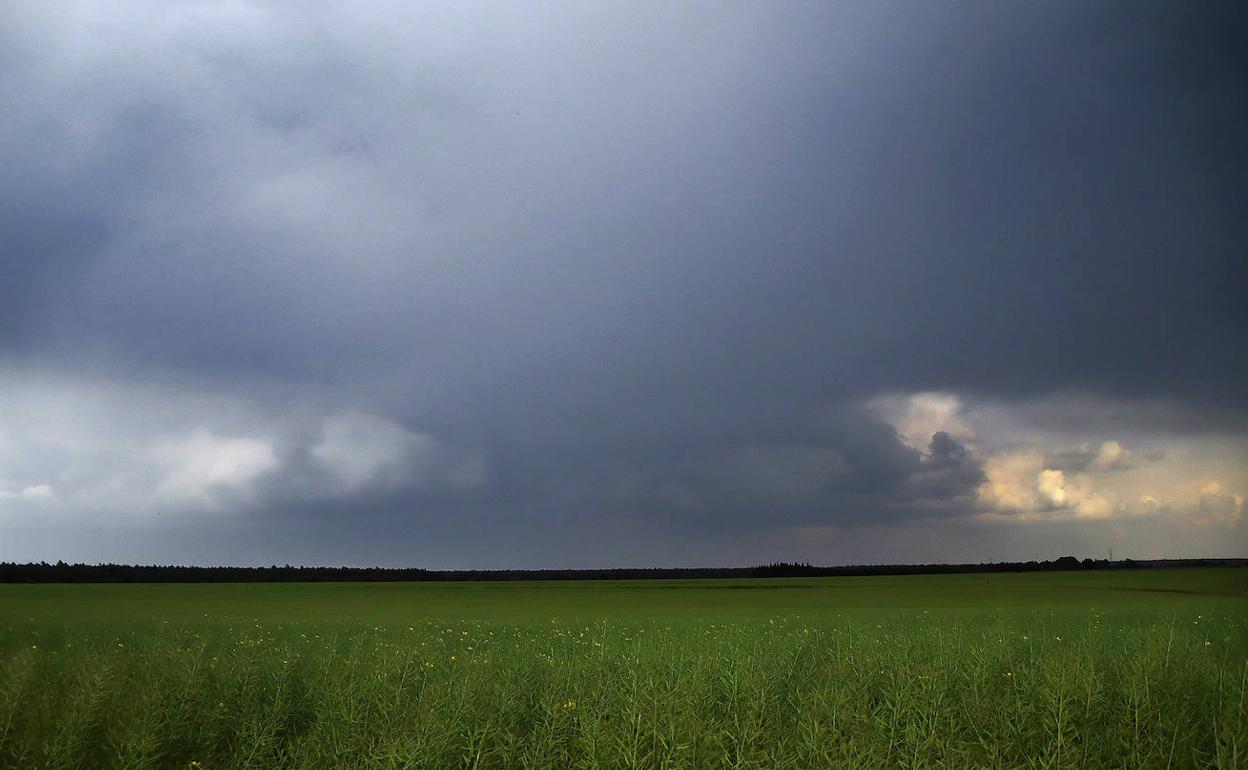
x: 1010, y: 674
x: 569, y: 705
x: 195, y: 764
x: 34, y: 646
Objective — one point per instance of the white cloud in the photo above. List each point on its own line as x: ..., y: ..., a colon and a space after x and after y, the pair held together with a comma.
x: 82, y: 449
x: 1074, y: 495
x: 1011, y: 486
x: 1050, y: 459
x: 88, y: 447
x: 1095, y: 505
x: 1112, y: 456
x: 29, y: 492
x: 203, y: 466
x: 917, y: 416
x: 1051, y: 484
x: 1218, y: 505
x: 360, y: 449
x: 1020, y: 488
x: 37, y: 492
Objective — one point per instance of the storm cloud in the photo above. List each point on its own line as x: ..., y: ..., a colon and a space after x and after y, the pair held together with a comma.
x: 507, y: 285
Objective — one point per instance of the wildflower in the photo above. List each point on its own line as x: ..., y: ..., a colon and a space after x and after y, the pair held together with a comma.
x: 1208, y: 643
x: 195, y: 764
x: 569, y: 705
x: 1010, y: 674
x: 34, y: 646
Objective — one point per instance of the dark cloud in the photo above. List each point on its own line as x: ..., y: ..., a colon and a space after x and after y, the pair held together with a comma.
x: 949, y: 473
x: 619, y: 265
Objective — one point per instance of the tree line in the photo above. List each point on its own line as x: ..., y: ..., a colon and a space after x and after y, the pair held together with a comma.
x: 61, y: 572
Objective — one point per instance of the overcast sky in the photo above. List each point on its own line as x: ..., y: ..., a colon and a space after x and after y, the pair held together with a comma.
x: 583, y: 284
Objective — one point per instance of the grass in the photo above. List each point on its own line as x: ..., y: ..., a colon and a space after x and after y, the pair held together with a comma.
x: 1078, y: 670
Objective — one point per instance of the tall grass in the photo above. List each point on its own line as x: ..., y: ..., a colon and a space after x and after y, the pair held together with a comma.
x: 1074, y: 688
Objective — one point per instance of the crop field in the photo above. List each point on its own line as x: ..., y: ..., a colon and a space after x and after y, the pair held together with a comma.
x: 1076, y: 669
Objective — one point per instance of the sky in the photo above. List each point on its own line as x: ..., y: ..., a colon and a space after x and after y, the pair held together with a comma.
x: 522, y: 285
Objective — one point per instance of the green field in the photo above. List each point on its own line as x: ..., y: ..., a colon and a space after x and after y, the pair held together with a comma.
x: 1079, y: 669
